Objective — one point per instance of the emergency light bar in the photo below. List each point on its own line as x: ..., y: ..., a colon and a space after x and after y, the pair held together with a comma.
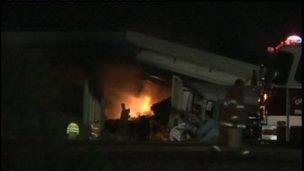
x: 294, y: 39
x: 291, y: 40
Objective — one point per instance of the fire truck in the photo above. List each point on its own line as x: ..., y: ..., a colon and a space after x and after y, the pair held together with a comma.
x: 280, y: 101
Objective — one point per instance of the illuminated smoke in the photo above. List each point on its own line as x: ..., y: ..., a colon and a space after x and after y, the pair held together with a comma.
x: 121, y: 83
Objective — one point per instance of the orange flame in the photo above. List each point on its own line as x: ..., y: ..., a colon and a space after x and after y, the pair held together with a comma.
x: 139, y: 106
x: 145, y: 105
x: 121, y: 83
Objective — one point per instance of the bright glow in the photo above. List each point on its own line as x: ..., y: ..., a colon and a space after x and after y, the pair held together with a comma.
x: 145, y: 106
x: 73, y: 128
x: 273, y: 137
x: 265, y: 96
x: 139, y: 105
x: 291, y: 40
x: 269, y: 137
x: 294, y: 39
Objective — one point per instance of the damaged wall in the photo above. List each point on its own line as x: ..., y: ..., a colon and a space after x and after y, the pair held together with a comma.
x: 216, y: 92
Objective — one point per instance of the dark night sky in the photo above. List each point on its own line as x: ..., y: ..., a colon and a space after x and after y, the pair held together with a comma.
x: 234, y: 29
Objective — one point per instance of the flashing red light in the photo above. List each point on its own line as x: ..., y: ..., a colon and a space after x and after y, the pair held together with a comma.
x: 291, y: 40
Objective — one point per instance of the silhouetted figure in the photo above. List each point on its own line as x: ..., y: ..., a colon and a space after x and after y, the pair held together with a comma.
x: 123, y: 131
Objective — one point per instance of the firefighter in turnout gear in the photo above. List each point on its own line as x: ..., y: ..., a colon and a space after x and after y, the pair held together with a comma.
x: 233, y: 117
x: 95, y: 130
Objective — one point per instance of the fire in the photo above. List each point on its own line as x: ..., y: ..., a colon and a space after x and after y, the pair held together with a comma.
x: 122, y: 83
x: 139, y: 106
x: 139, y: 103
x: 145, y: 106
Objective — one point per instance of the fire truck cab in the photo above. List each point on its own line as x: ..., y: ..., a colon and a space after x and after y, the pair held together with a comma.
x: 280, y: 102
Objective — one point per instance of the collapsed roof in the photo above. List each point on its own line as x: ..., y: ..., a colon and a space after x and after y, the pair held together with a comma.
x: 189, y: 61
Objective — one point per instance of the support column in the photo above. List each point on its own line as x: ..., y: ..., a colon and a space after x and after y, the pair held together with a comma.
x: 288, y: 115
x: 92, y: 107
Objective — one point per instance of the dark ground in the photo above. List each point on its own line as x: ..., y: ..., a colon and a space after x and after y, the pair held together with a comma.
x: 142, y: 156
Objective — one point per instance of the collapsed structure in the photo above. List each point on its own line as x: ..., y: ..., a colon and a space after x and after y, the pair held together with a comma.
x: 206, y: 74
x: 187, y: 72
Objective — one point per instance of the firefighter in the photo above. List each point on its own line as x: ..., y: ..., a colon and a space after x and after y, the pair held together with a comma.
x: 123, y: 129
x: 72, y: 131
x: 208, y: 132
x: 233, y: 117
x: 95, y: 130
